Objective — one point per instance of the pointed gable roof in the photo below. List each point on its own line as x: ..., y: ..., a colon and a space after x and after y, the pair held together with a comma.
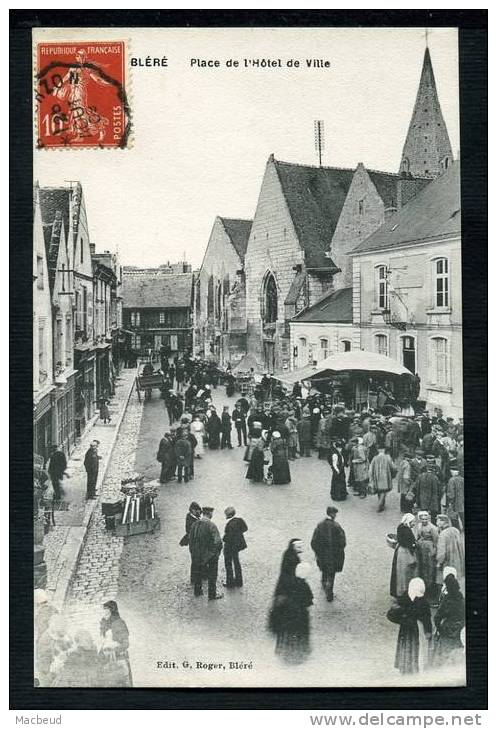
x: 315, y: 197
x: 238, y: 231
x: 427, y: 144
x: 54, y: 207
x: 434, y: 213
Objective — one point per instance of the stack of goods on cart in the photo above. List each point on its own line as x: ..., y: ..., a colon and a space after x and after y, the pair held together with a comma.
x: 137, y: 512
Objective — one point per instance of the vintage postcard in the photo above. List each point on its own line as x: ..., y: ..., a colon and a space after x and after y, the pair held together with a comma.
x: 247, y: 374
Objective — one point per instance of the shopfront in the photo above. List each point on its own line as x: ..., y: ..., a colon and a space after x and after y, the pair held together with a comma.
x: 84, y: 391
x: 43, y: 427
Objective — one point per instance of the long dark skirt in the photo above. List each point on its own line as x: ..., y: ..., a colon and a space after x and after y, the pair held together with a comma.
x: 168, y: 470
x: 255, y: 471
x: 407, y: 653
x: 281, y: 470
x: 214, y: 441
x: 292, y: 638
x: 338, y: 489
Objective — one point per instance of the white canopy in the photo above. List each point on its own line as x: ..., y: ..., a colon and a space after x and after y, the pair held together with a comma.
x: 356, y: 361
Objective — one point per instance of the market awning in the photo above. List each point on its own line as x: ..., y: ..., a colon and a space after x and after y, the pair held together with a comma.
x: 355, y: 361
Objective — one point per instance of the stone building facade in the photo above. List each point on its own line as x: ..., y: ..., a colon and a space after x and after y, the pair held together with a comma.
x: 220, y: 293
x: 407, y: 299
x: 43, y: 382
x: 323, y: 329
x: 288, y: 265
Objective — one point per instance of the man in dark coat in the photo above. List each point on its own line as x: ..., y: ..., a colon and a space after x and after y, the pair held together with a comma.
x: 328, y: 544
x: 234, y: 542
x: 238, y: 417
x: 428, y: 490
x: 56, y: 469
x: 91, y: 467
x: 305, y: 437
x: 226, y: 428
x: 205, y: 546
x: 167, y: 458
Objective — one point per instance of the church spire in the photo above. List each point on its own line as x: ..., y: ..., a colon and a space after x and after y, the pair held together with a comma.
x: 427, y: 151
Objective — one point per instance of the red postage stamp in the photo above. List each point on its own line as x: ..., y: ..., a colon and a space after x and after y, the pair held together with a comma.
x: 81, y: 96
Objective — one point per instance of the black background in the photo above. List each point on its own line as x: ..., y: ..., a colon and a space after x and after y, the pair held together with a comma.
x: 473, y: 113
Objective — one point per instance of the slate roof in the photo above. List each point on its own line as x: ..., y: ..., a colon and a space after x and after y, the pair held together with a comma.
x: 434, y: 213
x: 335, y: 306
x: 166, y: 291
x: 238, y: 232
x: 315, y: 197
x: 295, y: 288
x: 54, y: 208
x: 386, y: 186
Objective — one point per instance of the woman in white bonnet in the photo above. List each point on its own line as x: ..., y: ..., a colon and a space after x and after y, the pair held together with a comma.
x: 412, y: 608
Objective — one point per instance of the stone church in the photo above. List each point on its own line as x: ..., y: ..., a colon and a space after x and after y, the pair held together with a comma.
x: 308, y: 219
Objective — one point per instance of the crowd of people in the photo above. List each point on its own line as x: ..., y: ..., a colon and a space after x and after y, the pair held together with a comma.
x: 368, y: 453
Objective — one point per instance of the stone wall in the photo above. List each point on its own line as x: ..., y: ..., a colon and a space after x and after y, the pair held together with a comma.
x: 363, y: 212
x: 412, y: 278
x: 222, y: 262
x: 273, y: 247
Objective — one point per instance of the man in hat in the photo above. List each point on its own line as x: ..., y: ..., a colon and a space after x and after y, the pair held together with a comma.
x: 91, y: 463
x: 56, y: 468
x: 304, y: 433
x: 226, y: 428
x: 328, y: 544
x: 205, y: 546
x: 428, y: 489
x: 381, y: 474
x: 239, y: 418
x: 418, y: 464
x: 234, y: 542
x: 455, y: 499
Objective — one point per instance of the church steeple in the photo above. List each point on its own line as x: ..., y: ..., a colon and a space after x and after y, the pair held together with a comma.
x: 427, y: 151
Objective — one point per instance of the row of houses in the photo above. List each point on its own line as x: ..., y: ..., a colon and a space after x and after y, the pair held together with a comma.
x: 77, y: 319
x: 344, y: 259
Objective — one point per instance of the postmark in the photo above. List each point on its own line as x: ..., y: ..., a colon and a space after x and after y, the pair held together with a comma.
x: 80, y: 95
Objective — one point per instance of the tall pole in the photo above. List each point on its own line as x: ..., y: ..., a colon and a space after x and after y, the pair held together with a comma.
x: 319, y: 139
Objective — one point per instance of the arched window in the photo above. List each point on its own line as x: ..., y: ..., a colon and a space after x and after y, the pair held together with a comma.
x: 210, y: 296
x: 270, y: 300
x: 381, y: 287
x: 441, y: 275
x: 219, y: 300
x: 324, y: 348
x: 346, y: 345
x: 381, y: 344
x: 440, y: 361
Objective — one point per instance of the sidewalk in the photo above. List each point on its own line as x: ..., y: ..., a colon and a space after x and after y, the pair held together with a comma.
x: 64, y: 542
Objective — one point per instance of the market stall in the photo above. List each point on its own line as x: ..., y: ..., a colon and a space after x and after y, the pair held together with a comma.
x: 362, y: 380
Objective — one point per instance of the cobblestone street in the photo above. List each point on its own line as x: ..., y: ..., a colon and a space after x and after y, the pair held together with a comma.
x: 149, y: 574
x: 168, y: 624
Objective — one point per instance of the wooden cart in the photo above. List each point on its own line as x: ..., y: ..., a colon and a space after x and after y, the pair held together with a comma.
x: 147, y: 383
